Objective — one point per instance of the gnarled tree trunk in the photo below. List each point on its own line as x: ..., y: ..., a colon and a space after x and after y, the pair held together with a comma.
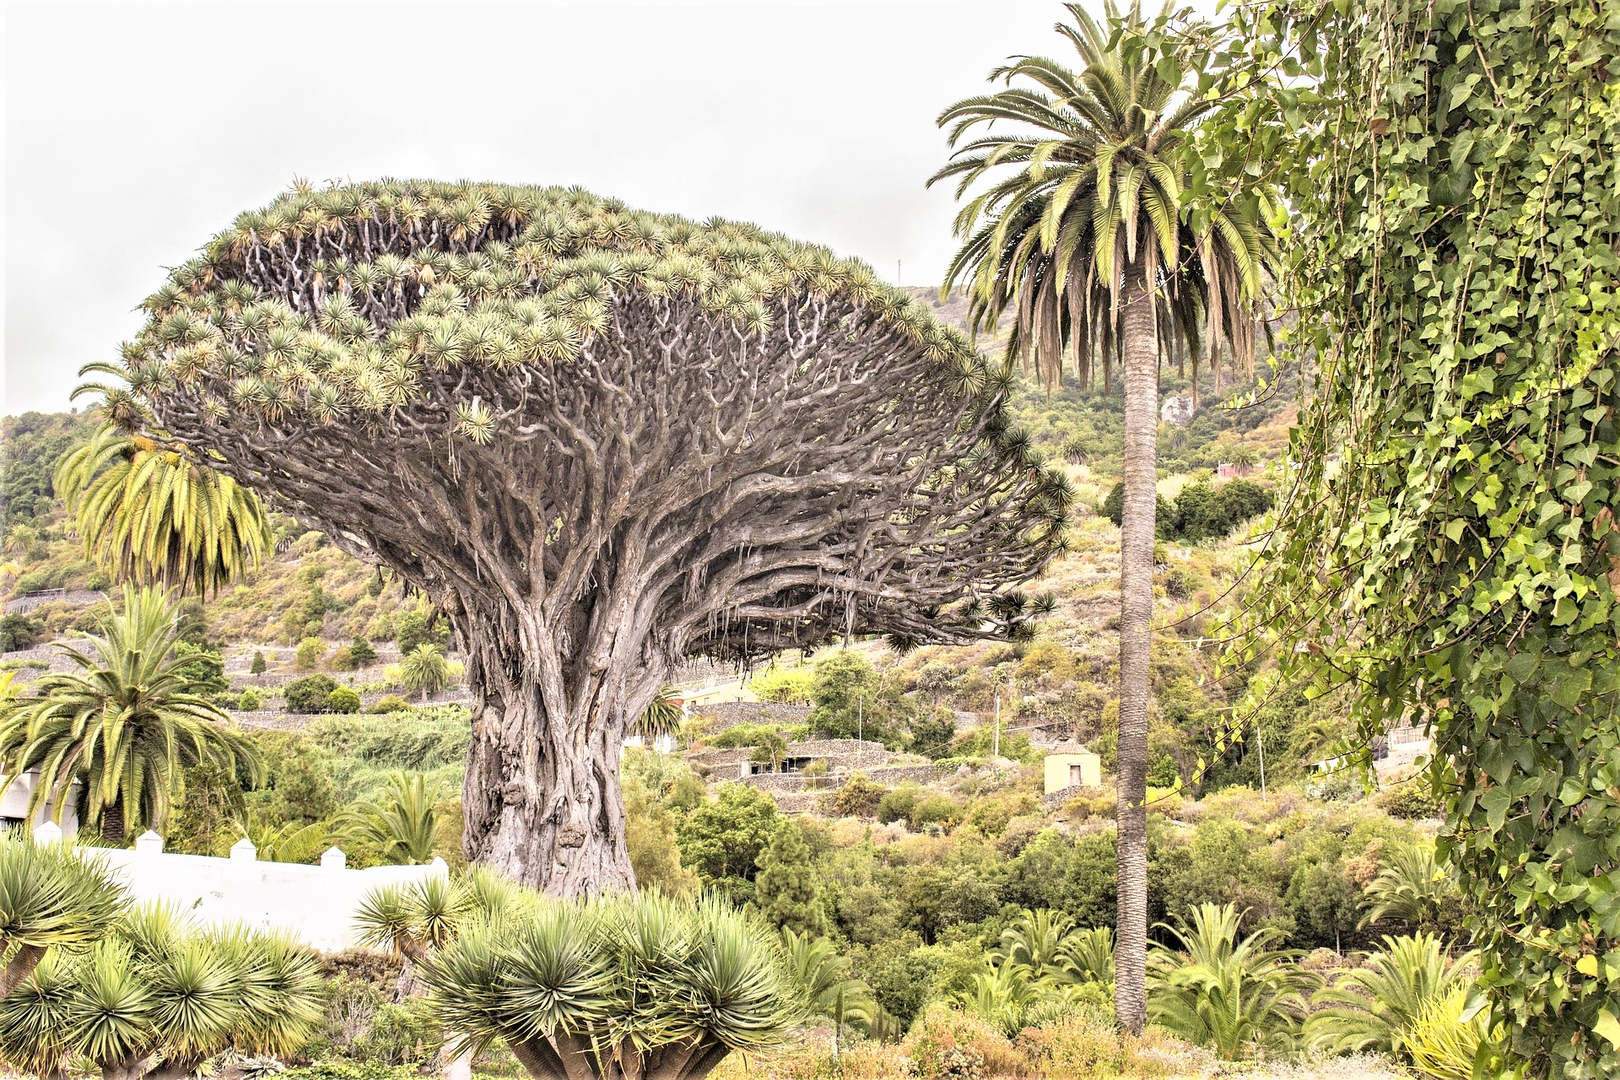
x: 1141, y: 375
x: 541, y: 798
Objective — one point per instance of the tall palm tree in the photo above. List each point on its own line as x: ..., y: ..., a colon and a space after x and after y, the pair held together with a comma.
x: 1079, y: 230
x: 152, y: 514
x: 126, y: 723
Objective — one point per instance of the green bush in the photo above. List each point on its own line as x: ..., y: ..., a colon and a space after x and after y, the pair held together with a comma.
x: 1201, y: 511
x: 340, y: 1069
x: 390, y: 703
x: 407, y: 1033
x: 419, y: 626
x: 723, y: 838
x: 1411, y: 799
x: 249, y: 700
x: 918, y: 807
x: 755, y: 734
x: 308, y: 656
x: 361, y: 652
x: 857, y: 797
x: 311, y: 694
x: 342, y: 699
x: 18, y: 631
x: 784, y: 685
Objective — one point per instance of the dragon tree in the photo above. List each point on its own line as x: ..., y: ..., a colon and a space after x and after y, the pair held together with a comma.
x: 600, y: 440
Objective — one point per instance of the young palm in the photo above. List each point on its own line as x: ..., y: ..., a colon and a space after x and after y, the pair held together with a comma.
x: 1077, y: 229
x: 1415, y: 889
x: 825, y: 985
x: 401, y: 824
x: 152, y: 514
x: 425, y: 671
x: 1219, y: 989
x: 126, y: 724
x: 1377, y: 1007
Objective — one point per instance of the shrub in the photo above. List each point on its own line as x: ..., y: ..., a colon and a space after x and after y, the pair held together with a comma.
x: 310, y: 694
x: 900, y: 970
x: 858, y: 797
x: 931, y: 731
x: 308, y: 656
x: 408, y: 1033
x: 341, y: 1069
x: 1113, y: 509
x: 18, y: 631
x: 918, y: 807
x: 428, y: 739
x: 948, y: 1044
x: 258, y: 666
x: 298, y: 784
x: 390, y: 703
x: 754, y: 735
x: 783, y: 685
x: 420, y: 627
x: 249, y: 700
x: 342, y: 699
x: 722, y: 839
x: 991, y: 813
x: 1411, y: 799
x: 1442, y: 1044
x: 1086, y: 1043
x: 361, y: 652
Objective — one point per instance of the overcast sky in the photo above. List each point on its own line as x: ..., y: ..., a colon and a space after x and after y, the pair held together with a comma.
x: 133, y: 131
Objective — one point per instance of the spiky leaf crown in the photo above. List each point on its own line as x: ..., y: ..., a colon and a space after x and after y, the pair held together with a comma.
x: 331, y: 303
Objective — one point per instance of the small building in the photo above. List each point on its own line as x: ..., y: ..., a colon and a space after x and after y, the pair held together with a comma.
x: 1070, y: 765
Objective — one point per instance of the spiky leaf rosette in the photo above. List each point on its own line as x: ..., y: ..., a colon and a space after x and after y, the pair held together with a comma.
x: 729, y: 440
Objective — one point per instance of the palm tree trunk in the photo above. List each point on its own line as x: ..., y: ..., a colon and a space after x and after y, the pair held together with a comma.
x: 1141, y: 377
x: 112, y: 823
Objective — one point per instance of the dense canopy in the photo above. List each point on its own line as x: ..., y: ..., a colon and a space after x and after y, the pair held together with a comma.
x: 359, y: 350
x: 601, y: 440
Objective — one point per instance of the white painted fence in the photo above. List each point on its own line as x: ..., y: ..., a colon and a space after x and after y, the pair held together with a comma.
x: 316, y: 904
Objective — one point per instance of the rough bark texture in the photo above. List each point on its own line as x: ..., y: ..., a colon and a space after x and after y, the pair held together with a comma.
x: 595, y: 469
x: 21, y: 965
x: 1141, y: 363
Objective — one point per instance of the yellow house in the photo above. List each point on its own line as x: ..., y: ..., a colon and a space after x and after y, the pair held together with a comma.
x: 1072, y: 765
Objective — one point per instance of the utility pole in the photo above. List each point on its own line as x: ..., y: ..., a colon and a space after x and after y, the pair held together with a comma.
x: 995, y: 731
x: 1261, y: 735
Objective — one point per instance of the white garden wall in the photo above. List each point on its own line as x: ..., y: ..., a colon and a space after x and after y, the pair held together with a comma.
x: 316, y: 904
